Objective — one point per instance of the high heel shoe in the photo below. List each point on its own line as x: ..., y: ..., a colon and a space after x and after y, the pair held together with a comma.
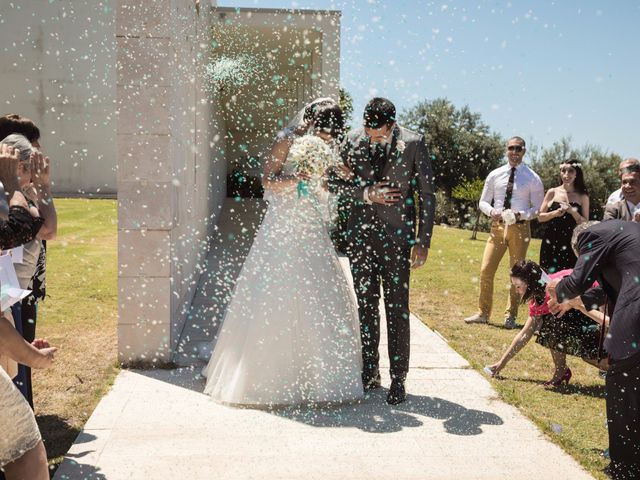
x: 566, y: 376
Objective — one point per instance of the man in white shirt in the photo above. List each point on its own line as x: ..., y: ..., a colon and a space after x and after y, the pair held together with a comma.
x: 512, y: 193
x: 629, y: 206
x: 617, y: 195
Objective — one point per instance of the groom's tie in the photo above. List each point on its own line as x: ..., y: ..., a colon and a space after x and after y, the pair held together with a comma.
x: 379, y: 159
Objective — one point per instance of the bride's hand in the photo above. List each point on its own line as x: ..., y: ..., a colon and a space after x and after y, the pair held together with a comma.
x: 344, y: 172
x: 303, y: 176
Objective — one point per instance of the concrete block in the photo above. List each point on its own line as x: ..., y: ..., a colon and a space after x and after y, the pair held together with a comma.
x: 144, y: 301
x: 143, y: 110
x: 146, y: 205
x: 144, y: 342
x: 145, y: 62
x: 144, y: 253
x: 144, y: 157
x: 148, y: 18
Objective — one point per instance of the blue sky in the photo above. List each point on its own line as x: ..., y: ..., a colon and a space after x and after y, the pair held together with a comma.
x: 542, y: 70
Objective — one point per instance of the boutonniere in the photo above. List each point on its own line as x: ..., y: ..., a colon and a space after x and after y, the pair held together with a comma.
x: 400, y: 146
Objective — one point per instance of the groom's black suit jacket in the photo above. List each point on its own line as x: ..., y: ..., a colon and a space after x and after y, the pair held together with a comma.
x: 610, y: 253
x: 409, y: 170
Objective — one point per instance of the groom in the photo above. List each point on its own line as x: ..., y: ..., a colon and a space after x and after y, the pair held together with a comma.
x: 389, y: 170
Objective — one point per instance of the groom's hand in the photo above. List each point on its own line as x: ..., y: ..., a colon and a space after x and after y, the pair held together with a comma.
x: 383, y: 194
x: 419, y: 256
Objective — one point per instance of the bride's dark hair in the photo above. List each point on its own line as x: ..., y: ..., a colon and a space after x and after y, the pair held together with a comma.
x: 311, y: 109
x: 531, y: 274
x: 328, y: 118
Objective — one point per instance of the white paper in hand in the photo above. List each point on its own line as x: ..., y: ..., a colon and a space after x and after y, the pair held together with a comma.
x: 10, y: 291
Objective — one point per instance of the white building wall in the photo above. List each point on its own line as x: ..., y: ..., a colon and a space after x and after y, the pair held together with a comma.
x: 172, y: 186
x: 57, y: 66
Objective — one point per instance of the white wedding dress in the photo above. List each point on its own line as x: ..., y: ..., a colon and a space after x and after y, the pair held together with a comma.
x: 291, y: 332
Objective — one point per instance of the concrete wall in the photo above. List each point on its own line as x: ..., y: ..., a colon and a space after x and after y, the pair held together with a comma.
x: 58, y: 68
x: 171, y: 180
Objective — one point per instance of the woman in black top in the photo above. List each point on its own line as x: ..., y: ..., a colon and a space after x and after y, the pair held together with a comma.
x: 563, y: 208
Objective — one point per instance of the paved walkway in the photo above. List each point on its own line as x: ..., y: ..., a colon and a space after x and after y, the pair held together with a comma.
x: 158, y: 424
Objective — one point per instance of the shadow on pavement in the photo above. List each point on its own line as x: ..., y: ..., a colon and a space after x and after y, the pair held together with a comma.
x: 74, y: 470
x: 375, y: 416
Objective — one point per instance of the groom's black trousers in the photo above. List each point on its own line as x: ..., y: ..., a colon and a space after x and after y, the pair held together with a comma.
x: 375, y: 258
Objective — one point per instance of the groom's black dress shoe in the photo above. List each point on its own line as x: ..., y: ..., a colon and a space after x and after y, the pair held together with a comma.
x: 370, y: 382
x: 397, y: 393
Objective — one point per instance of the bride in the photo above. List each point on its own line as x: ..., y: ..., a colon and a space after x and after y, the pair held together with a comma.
x: 291, y: 335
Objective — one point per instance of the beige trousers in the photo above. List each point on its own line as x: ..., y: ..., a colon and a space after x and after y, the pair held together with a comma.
x: 514, y: 238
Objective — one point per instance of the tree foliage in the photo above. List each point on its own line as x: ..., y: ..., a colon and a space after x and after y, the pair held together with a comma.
x: 468, y: 191
x: 600, y: 170
x: 462, y: 146
x: 346, y: 104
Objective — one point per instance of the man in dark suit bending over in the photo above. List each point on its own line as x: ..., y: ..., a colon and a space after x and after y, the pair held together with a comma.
x: 610, y: 253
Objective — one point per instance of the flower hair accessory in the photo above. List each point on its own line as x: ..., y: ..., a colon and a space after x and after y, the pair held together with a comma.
x: 573, y: 163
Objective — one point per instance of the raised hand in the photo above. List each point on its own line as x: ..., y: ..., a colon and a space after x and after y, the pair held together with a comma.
x: 40, y: 169
x: 9, y: 159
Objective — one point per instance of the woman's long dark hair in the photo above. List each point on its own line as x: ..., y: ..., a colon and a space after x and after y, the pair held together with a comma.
x: 531, y: 274
x: 578, y: 183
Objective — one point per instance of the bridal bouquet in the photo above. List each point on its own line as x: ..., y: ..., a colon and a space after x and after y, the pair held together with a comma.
x: 312, y: 156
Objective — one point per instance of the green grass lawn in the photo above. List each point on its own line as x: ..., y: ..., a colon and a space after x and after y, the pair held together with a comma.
x: 79, y: 316
x: 446, y: 290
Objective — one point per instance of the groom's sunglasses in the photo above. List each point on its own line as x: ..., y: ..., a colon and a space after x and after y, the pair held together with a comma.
x: 515, y: 148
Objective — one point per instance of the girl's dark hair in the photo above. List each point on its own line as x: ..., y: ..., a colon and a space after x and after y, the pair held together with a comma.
x: 329, y: 118
x: 578, y: 183
x: 379, y: 112
x: 14, y: 123
x: 531, y: 274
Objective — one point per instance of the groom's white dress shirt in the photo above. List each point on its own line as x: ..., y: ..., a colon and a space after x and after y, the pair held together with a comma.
x: 528, y: 191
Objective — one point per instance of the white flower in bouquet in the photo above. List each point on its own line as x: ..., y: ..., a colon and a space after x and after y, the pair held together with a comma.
x: 311, y: 155
x: 509, y: 217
